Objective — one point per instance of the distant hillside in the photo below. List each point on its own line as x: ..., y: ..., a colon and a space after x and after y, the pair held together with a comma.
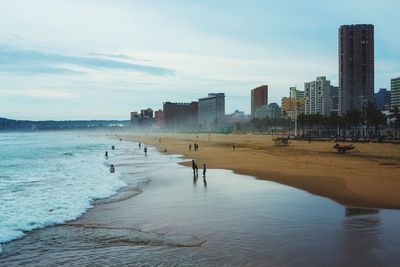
x: 26, y: 125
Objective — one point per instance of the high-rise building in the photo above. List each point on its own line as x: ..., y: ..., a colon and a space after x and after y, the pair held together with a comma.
x: 177, y: 115
x: 293, y: 105
x: 271, y: 111
x: 259, y: 97
x: 146, y: 113
x: 159, y: 118
x: 356, y: 66
x: 318, y: 96
x: 212, y: 110
x: 395, y: 92
x: 334, y: 100
x: 382, y: 99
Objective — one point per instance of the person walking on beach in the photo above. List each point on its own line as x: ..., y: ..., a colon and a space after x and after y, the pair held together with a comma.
x: 140, y: 145
x: 194, y: 167
x: 112, y: 168
x: 204, y: 171
x: 106, y: 154
x: 196, y: 170
x: 145, y: 150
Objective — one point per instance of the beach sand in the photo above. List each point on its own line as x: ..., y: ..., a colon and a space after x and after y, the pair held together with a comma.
x: 368, y: 176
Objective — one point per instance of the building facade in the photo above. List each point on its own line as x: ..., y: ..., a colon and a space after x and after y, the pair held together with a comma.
x: 180, y: 115
x: 294, y: 104
x: 259, y: 97
x: 356, y: 66
x: 334, y: 100
x: 395, y: 92
x: 271, y: 111
x: 382, y: 99
x: 318, y: 96
x: 212, y: 110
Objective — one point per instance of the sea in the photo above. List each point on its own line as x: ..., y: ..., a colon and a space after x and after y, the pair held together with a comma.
x: 50, y: 178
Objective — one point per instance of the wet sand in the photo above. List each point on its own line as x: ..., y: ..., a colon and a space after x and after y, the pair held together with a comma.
x: 368, y: 176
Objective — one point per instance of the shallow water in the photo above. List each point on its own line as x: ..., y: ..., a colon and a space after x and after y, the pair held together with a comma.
x: 231, y: 220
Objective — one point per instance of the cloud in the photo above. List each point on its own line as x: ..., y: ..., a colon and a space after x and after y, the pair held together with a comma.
x: 42, y: 93
x: 119, y: 56
x: 24, y: 61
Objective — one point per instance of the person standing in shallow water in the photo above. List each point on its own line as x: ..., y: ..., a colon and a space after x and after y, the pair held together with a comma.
x: 204, y: 170
x: 112, y: 169
x: 194, y: 167
x: 145, y: 150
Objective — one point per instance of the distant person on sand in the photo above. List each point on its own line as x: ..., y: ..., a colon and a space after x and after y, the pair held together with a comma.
x: 194, y: 167
x: 112, y: 169
x: 140, y: 145
x: 190, y: 147
x: 204, y: 170
x: 145, y: 150
x: 233, y: 147
x: 106, y: 154
x: 165, y: 150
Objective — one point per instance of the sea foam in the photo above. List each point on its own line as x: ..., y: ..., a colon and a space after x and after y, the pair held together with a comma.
x: 47, y: 179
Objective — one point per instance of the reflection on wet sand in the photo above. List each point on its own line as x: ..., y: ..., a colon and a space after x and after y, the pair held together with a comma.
x: 362, y: 232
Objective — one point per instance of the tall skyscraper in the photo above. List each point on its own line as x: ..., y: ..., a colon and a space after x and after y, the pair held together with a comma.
x: 356, y: 66
x: 318, y: 96
x: 395, y: 92
x: 259, y: 97
x: 212, y: 110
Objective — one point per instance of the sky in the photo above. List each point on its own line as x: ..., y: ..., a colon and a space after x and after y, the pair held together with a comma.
x: 97, y: 59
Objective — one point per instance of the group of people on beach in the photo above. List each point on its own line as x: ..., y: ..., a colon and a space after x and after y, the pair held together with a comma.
x: 195, y: 147
x: 196, y: 169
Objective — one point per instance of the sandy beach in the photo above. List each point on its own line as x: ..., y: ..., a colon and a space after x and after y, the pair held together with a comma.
x: 369, y: 176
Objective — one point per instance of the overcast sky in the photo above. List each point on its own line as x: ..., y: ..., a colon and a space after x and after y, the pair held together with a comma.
x: 81, y: 59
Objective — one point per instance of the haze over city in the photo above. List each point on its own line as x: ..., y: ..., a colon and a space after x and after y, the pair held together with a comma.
x: 103, y: 59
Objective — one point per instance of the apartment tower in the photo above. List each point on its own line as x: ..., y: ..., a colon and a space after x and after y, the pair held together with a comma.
x: 356, y: 66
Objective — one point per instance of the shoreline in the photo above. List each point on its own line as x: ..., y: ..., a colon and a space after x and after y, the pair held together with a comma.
x: 366, y: 177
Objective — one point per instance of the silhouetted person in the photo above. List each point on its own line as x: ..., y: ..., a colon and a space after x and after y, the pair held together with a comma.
x: 165, y: 150
x: 204, y: 170
x: 190, y: 147
x: 106, y: 154
x: 194, y: 167
x: 140, y: 145
x: 145, y: 151
x: 112, y: 147
x: 112, y: 169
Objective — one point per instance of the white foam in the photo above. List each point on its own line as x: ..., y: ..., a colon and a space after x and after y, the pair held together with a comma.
x: 48, y: 180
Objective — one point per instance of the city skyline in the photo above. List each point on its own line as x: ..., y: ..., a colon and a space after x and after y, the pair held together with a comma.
x: 113, y: 58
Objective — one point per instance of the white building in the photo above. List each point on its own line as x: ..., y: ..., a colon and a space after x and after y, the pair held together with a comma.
x: 212, y: 110
x: 318, y: 97
x: 395, y: 92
